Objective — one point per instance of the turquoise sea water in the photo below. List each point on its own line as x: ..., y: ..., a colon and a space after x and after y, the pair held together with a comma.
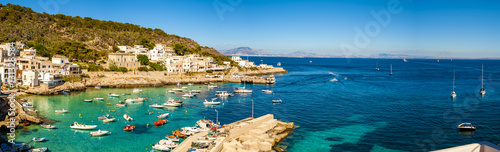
x: 370, y: 111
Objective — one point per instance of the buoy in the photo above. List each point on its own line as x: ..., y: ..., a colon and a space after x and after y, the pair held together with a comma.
x: 239, y: 101
x: 186, y: 111
x: 54, y: 134
x: 115, y: 106
x: 80, y: 115
x: 147, y: 125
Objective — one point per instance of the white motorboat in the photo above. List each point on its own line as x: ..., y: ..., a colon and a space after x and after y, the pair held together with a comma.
x: 49, y: 126
x: 98, y: 99
x: 175, y: 139
x: 27, y: 105
x: 87, y: 100
x: 242, y: 90
x: 184, y: 87
x: 191, y: 129
x: 121, y: 104
x: 177, y: 89
x: 171, y: 91
x: 113, y: 95
x: 277, y: 101
x: 99, y: 133
x: 108, y: 120
x: 482, y: 91
x: 466, y: 126
x: 75, y: 125
x: 267, y: 91
x: 310, y: 61
x: 98, y: 87
x: 334, y: 80
x: 127, y: 117
x: 103, y: 117
x: 196, y: 91
x: 135, y: 100
x: 39, y: 139
x: 210, y: 102
x: 136, y: 90
x: 156, y: 105
x: 188, y: 95
x: 404, y: 60
x: 271, y: 80
x: 223, y: 94
x: 453, y: 94
x: 212, y: 86
x: 165, y: 145
x: 279, y: 64
x: 376, y: 67
x: 43, y: 149
x: 190, y: 84
x: 163, y: 115
x: 390, y: 73
x: 172, y: 104
x: 61, y: 111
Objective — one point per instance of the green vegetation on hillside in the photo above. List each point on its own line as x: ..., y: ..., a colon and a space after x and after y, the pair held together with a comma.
x: 83, y: 39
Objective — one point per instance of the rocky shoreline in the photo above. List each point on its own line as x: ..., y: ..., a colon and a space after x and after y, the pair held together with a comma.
x: 19, y: 116
x: 150, y: 79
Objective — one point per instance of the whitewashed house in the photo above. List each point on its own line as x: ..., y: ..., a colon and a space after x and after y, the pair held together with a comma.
x: 30, y: 78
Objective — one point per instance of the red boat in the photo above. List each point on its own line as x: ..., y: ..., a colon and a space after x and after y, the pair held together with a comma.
x: 160, y: 122
x: 22, y: 99
x: 128, y: 128
x: 26, y: 124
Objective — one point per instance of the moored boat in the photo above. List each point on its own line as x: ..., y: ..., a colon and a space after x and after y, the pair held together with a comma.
x: 210, y: 102
x: 242, y: 90
x: 178, y: 133
x: 156, y: 105
x: 136, y: 90
x: 98, y: 99
x: 127, y: 117
x: 103, y: 117
x: 27, y: 105
x: 49, y: 126
x: 113, y: 95
x: 223, y: 94
x: 128, y: 128
x: 160, y: 122
x: 40, y: 139
x: 162, y: 115
x: 267, y: 91
x: 172, y: 104
x: 121, y: 104
x: 75, y: 125
x: 87, y: 100
x: 277, y: 101
x: 173, y: 138
x: 43, y: 149
x: 108, y: 120
x: 61, y: 111
x: 164, y: 145
x: 98, y: 133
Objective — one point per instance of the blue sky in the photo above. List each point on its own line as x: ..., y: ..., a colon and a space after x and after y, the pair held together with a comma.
x: 446, y: 28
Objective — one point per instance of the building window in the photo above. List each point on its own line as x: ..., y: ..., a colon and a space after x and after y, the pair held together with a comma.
x: 125, y: 60
x: 118, y: 60
x: 49, y: 66
x: 127, y: 64
x: 120, y: 64
x: 43, y: 66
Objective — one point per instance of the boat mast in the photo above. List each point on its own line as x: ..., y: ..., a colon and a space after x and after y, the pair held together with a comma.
x: 453, y: 81
x: 482, y: 75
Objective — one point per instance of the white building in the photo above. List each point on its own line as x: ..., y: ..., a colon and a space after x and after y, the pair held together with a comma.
x: 50, y: 79
x: 139, y: 49
x: 126, y: 49
x: 30, y: 78
x: 58, y: 59
x: 160, y: 53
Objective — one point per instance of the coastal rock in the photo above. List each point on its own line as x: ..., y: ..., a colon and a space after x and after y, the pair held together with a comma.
x: 45, y: 90
x: 19, y: 116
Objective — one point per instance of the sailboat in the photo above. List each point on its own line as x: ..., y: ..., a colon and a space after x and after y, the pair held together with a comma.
x: 242, y: 89
x: 390, y: 73
x: 482, y: 91
x: 404, y: 60
x: 376, y: 67
x: 279, y: 64
x: 453, y: 94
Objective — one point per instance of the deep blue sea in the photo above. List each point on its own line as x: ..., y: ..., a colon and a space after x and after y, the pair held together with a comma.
x: 365, y: 110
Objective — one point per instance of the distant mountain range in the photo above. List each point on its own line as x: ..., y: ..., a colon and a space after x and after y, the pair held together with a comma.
x: 247, y: 51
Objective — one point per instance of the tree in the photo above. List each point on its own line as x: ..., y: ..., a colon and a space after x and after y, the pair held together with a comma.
x: 143, y: 59
x: 115, y: 48
x: 42, y: 51
x: 180, y: 49
x: 145, y: 42
x: 123, y: 69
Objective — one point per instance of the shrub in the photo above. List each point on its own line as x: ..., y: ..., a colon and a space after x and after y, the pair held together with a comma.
x: 142, y: 69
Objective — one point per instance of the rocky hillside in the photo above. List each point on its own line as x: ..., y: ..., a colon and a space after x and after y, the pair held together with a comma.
x: 244, y: 51
x: 20, y: 23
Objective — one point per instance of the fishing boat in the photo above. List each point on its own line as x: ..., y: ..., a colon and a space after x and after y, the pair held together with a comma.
x: 128, y: 128
x: 453, y: 94
x: 466, y: 126
x: 223, y: 94
x: 178, y: 133
x: 156, y: 105
x: 267, y: 91
x: 190, y: 84
x: 160, y: 122
x: 61, y: 111
x: 136, y: 91
x: 127, y: 117
x: 172, y: 104
x: 48, y: 126
x: 173, y: 138
x: 242, y: 90
x: 270, y: 79
x: 196, y: 91
x: 390, y: 73
x: 108, y: 120
x: 98, y: 133
x: 43, y: 149
x: 177, y: 89
x: 22, y: 100
x: 163, y: 115
x: 98, y: 99
x: 40, y: 139
x: 164, y: 145
x: 31, y: 110
x: 121, y: 104
x: 87, y: 100
x: 75, y: 125
x: 113, y: 95
x: 103, y: 117
x: 210, y: 103
x: 277, y: 101
x: 279, y: 64
x: 482, y: 91
x: 27, y: 105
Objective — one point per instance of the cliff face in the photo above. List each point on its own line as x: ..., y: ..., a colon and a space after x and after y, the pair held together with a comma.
x: 19, y: 116
x: 44, y: 90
